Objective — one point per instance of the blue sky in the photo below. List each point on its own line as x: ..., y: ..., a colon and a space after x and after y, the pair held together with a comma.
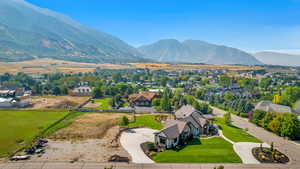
x: 246, y: 24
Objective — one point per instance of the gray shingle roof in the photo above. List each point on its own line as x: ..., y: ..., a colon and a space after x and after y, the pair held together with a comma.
x: 185, y: 111
x: 173, y: 129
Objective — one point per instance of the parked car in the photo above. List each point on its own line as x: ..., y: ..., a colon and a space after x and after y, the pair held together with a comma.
x: 17, y: 158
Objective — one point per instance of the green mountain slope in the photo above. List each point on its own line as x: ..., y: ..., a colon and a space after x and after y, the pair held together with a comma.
x: 28, y: 32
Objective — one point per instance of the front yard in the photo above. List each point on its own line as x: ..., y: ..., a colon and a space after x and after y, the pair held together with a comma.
x: 234, y: 133
x: 212, y: 150
x: 148, y: 121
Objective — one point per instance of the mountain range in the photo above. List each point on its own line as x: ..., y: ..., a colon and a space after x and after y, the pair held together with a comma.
x: 28, y: 32
x: 276, y: 58
x: 195, y: 51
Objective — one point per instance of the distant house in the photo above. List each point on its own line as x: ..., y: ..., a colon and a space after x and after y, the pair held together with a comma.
x: 142, y: 99
x: 189, y: 123
x: 82, y: 91
x: 11, y: 90
x: 269, y: 106
x: 14, y: 96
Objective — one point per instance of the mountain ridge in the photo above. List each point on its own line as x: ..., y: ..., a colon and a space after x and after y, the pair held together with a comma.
x: 196, y: 51
x: 278, y: 58
x: 29, y: 32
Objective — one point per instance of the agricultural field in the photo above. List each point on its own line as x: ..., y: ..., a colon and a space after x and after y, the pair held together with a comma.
x: 18, y: 128
x: 212, y: 150
x: 234, y: 133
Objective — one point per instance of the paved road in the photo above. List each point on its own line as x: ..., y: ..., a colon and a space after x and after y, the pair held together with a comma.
x: 66, y: 165
x: 283, y: 145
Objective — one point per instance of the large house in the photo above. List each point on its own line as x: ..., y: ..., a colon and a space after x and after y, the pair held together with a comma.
x: 142, y: 99
x: 188, y: 123
x: 82, y: 91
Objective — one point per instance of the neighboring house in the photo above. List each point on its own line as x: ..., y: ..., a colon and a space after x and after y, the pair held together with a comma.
x: 11, y: 91
x: 82, y: 91
x: 269, y: 106
x: 189, y: 123
x: 14, y: 96
x: 142, y: 99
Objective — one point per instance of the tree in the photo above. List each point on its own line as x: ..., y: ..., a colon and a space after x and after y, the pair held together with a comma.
x: 227, y: 118
x: 165, y: 103
x: 276, y: 124
x: 229, y: 96
x: 97, y: 92
x: 290, y: 125
x: 290, y: 95
x: 267, y: 119
x: 226, y: 80
x: 258, y: 115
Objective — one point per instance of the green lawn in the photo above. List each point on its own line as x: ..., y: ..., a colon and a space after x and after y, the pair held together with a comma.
x: 234, y: 133
x: 213, y: 150
x: 18, y: 128
x: 104, y: 103
x: 146, y: 121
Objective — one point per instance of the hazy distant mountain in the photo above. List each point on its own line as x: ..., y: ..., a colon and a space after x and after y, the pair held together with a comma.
x: 275, y: 58
x: 194, y: 51
x: 28, y: 32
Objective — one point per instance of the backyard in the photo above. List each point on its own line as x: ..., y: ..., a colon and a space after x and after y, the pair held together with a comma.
x: 234, y: 133
x: 102, y: 104
x: 146, y: 121
x: 212, y: 150
x: 18, y: 128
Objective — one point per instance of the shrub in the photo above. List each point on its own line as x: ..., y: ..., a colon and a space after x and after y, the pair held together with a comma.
x: 258, y: 115
x: 124, y: 121
x: 290, y: 125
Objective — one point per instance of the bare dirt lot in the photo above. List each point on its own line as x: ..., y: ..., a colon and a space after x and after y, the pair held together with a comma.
x: 90, y: 137
x: 56, y: 102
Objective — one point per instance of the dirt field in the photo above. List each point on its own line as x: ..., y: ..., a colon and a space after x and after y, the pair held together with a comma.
x: 56, y: 102
x: 90, y: 137
x: 51, y: 66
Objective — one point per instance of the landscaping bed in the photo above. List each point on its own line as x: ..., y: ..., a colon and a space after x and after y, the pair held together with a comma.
x: 267, y: 155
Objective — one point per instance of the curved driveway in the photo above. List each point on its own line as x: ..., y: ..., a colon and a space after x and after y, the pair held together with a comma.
x: 131, y: 141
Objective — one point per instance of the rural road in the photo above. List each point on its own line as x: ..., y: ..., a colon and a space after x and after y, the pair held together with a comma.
x: 80, y: 165
x: 290, y: 149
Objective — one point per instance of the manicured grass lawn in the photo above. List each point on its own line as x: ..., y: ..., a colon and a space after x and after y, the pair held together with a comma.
x: 212, y: 150
x: 234, y: 133
x: 146, y: 121
x: 104, y: 103
x: 18, y: 128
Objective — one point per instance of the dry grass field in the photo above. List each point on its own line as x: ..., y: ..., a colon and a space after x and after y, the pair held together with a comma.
x: 90, y: 126
x: 55, y: 102
x: 49, y: 66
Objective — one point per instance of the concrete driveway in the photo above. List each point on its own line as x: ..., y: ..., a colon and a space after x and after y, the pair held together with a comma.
x: 131, y: 141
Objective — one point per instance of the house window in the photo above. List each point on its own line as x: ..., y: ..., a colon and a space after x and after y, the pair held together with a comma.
x: 162, y: 140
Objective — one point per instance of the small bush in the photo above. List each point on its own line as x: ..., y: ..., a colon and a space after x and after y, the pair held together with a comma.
x: 124, y: 121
